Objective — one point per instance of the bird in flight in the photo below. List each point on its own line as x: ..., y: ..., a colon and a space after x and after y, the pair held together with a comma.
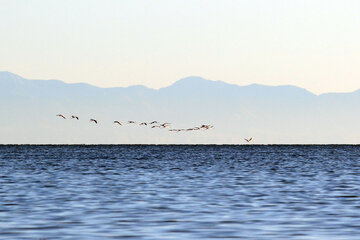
x: 206, y: 127
x: 165, y: 125
x: 143, y: 124
x: 248, y: 140
x: 117, y: 122
x: 60, y: 115
x: 153, y: 122
x: 77, y: 118
x: 93, y: 120
x: 129, y: 122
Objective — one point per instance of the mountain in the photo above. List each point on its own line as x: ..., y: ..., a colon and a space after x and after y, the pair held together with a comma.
x: 269, y: 114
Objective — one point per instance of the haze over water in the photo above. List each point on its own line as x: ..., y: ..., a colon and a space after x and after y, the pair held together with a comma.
x: 179, y: 192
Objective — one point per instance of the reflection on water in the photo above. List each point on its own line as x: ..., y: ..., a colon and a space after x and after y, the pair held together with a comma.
x: 180, y: 192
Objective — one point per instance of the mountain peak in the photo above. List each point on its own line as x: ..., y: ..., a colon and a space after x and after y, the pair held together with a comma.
x: 194, y: 84
x: 5, y: 75
x: 191, y: 80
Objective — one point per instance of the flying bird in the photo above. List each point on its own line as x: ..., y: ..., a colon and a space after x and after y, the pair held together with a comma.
x: 129, y: 122
x: 93, y: 120
x: 248, y: 140
x: 176, y: 130
x: 153, y: 122
x: 164, y: 125
x: 77, y: 118
x: 206, y: 127
x: 60, y: 115
x: 143, y: 123
x: 117, y: 122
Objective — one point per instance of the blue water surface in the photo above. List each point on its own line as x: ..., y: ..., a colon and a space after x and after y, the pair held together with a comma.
x: 179, y: 192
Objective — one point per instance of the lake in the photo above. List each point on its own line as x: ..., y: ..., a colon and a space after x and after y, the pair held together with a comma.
x: 180, y: 192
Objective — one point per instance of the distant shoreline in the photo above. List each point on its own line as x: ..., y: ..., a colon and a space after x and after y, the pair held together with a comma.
x: 171, y: 144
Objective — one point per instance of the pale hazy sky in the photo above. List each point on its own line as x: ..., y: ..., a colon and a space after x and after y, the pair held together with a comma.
x: 309, y: 43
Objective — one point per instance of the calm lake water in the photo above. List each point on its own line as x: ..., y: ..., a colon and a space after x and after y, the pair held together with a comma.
x: 180, y: 192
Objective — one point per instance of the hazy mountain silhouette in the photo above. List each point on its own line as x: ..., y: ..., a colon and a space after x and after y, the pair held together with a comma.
x: 269, y: 114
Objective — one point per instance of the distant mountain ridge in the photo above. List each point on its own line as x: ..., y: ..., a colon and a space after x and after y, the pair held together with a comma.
x: 270, y: 114
x: 190, y: 81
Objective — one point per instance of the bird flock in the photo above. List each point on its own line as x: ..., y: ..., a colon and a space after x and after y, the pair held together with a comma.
x: 153, y: 124
x: 156, y: 124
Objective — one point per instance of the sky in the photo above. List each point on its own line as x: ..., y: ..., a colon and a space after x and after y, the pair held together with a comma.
x: 312, y: 44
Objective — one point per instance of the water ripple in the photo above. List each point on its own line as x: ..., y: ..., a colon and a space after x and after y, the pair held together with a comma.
x: 179, y: 192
